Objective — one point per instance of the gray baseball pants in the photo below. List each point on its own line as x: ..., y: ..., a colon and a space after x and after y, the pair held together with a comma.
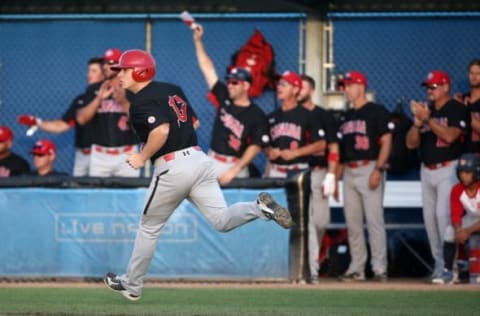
x: 319, y: 218
x: 190, y: 175
x: 360, y: 202
x: 436, y: 187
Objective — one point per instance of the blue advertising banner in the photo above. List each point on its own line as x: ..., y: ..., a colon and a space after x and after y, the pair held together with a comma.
x: 86, y: 232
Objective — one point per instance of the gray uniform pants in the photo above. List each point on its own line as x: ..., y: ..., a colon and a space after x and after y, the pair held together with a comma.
x: 436, y: 187
x: 104, y: 164
x: 360, y: 202
x: 319, y: 218
x: 81, y: 163
x: 189, y: 175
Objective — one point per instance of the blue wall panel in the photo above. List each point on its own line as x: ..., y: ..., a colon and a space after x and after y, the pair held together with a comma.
x: 87, y: 232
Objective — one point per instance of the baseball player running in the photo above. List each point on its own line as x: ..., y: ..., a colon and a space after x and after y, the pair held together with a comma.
x: 160, y: 117
x: 437, y: 130
x: 322, y: 176
x: 240, y: 127
x: 365, y: 144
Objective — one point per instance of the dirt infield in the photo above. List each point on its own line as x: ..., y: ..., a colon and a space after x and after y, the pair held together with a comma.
x: 325, y: 284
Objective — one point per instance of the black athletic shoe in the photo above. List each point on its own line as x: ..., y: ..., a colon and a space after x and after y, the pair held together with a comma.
x: 352, y: 277
x: 273, y: 210
x: 112, y: 281
x: 380, y: 277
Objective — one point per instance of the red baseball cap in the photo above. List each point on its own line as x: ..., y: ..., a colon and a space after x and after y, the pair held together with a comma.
x: 354, y: 77
x: 5, y: 134
x: 292, y: 78
x: 436, y: 77
x: 44, y: 147
x: 112, y: 56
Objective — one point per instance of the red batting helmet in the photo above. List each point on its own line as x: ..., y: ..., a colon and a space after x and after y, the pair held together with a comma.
x: 112, y: 55
x: 140, y: 61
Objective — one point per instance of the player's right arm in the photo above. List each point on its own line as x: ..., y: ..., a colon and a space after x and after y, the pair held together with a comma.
x: 157, y: 137
x: 54, y: 126
x: 412, y: 139
x: 86, y: 114
x: 204, y: 61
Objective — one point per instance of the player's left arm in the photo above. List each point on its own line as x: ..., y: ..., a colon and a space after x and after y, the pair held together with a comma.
x: 156, y: 139
x: 462, y: 234
x: 307, y: 150
x: 250, y: 152
x: 457, y: 123
x: 475, y: 124
x: 377, y: 173
x: 447, y: 133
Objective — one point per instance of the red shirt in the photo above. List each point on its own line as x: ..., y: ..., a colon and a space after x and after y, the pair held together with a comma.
x: 461, y: 202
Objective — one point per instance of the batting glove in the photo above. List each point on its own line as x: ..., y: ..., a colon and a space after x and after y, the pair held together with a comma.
x: 328, y: 184
x: 28, y: 120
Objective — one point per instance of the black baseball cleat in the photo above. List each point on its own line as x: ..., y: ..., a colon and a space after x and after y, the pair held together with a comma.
x: 273, y: 210
x: 112, y: 281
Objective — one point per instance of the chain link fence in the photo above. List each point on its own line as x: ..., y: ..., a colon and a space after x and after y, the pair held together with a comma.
x: 43, y: 62
x: 397, y: 51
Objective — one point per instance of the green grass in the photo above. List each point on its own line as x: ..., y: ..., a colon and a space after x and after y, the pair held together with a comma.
x: 241, y: 302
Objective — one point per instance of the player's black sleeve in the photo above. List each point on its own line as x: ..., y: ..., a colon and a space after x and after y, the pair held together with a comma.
x: 220, y: 91
x: 331, y: 127
x: 70, y: 114
x: 260, y: 128
x: 458, y: 115
x: 383, y: 119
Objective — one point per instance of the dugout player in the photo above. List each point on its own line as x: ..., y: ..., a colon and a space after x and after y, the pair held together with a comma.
x: 322, y: 176
x: 44, y: 153
x: 472, y: 101
x: 11, y: 164
x: 107, y: 111
x: 464, y: 213
x: 365, y: 142
x: 161, y: 119
x: 240, y: 127
x: 294, y: 133
x: 83, y: 134
x: 437, y: 131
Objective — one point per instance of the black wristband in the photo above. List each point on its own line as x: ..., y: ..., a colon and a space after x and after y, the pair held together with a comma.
x: 380, y: 169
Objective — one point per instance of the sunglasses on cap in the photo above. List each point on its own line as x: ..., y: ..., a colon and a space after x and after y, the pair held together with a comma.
x: 233, y: 82
x: 39, y: 155
x: 432, y: 86
x: 284, y: 83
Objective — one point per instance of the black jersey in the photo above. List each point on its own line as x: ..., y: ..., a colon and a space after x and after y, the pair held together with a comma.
x: 327, y: 129
x: 432, y: 148
x: 110, y: 123
x: 360, y: 132
x: 473, y: 138
x: 83, y: 133
x: 13, y: 165
x: 236, y: 127
x: 293, y: 129
x: 158, y: 103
